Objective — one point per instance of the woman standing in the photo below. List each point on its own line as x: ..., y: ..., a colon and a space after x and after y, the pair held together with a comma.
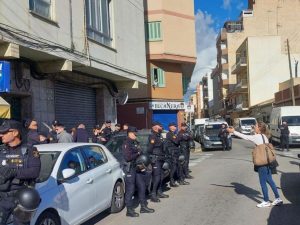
x: 264, y: 172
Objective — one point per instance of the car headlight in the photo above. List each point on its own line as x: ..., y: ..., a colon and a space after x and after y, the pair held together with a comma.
x: 206, y: 137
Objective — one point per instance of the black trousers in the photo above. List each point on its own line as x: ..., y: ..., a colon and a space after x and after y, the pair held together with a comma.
x: 225, y: 143
x: 135, y: 179
x: 284, y: 142
x: 7, y: 205
x: 157, y: 176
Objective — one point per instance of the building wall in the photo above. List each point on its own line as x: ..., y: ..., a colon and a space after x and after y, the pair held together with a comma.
x: 267, y: 67
x: 127, y: 25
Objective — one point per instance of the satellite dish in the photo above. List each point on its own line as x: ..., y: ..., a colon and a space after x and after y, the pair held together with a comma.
x: 122, y: 97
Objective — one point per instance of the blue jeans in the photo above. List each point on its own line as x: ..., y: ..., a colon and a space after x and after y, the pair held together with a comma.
x: 265, y: 176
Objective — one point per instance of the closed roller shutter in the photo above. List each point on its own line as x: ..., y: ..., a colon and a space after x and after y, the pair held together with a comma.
x: 74, y: 105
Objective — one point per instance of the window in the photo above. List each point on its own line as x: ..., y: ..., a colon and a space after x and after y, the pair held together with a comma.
x: 98, y: 21
x: 153, y: 31
x: 158, y: 77
x: 41, y: 7
x: 74, y: 160
x: 94, y: 155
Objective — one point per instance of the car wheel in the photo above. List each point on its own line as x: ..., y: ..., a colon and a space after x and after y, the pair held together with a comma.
x: 117, y: 201
x: 48, y: 218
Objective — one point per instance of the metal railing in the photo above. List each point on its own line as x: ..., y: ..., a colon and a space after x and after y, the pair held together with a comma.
x: 240, y: 61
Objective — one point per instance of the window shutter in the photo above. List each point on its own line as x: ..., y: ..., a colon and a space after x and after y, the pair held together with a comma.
x: 161, y: 78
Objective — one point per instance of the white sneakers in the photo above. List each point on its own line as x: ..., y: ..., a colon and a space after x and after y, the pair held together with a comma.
x: 277, y: 201
x: 264, y: 204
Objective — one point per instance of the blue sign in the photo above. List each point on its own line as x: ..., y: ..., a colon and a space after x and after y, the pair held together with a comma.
x: 4, y: 76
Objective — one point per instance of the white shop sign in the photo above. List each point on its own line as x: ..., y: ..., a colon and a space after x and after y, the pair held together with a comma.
x: 166, y: 105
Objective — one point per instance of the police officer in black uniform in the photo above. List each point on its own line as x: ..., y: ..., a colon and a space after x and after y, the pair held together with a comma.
x: 156, y: 152
x: 284, y: 136
x: 33, y: 137
x: 135, y: 174
x: 19, y: 167
x: 223, y: 135
x: 106, y: 133
x: 184, y: 138
x: 173, y: 152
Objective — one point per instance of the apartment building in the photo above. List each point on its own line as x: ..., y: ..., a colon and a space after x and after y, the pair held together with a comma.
x: 171, y: 57
x: 70, y: 60
x: 248, y: 46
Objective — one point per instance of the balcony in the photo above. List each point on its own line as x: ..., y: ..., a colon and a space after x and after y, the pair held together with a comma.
x: 241, y: 86
x: 242, y: 106
x: 239, y: 66
x: 225, y: 82
x: 225, y: 66
x: 234, y: 26
x: 224, y: 51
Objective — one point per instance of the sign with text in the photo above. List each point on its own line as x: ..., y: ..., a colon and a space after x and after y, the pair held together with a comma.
x: 166, y: 105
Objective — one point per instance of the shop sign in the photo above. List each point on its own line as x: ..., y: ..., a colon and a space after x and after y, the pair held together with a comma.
x: 166, y: 105
x: 4, y: 76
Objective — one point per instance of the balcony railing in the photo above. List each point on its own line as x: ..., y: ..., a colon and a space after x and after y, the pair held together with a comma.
x: 242, y: 106
x: 233, y: 26
x: 241, y: 85
x: 242, y: 62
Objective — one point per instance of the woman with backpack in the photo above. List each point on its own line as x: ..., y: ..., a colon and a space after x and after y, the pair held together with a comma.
x: 264, y: 171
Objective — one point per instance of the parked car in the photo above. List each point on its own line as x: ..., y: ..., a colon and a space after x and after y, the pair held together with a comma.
x: 244, y: 124
x: 77, y: 181
x: 290, y: 114
x: 198, y: 129
x: 211, y: 140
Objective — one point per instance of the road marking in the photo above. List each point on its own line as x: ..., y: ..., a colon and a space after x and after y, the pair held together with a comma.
x: 194, y: 160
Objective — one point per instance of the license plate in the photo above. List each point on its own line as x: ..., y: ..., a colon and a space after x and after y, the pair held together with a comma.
x: 218, y: 143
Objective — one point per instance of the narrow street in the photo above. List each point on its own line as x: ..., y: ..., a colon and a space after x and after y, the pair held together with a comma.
x: 225, y: 191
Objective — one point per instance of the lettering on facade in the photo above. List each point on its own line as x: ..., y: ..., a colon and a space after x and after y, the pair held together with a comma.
x: 166, y: 105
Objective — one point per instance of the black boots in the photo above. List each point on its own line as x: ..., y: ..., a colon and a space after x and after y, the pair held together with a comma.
x: 131, y: 213
x: 145, y: 209
x: 162, y: 195
x: 182, y: 182
x: 154, y: 198
x: 189, y: 177
x: 173, y: 183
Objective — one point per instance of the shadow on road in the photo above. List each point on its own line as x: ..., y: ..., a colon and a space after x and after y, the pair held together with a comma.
x: 241, y: 189
x: 288, y: 213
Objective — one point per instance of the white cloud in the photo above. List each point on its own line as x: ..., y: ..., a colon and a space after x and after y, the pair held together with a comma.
x: 227, y: 4
x: 206, y: 49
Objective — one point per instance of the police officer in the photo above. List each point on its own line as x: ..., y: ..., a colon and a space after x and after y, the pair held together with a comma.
x: 155, y: 150
x: 117, y: 129
x: 184, y: 138
x: 173, y: 152
x: 223, y: 135
x: 106, y: 132
x: 284, y: 136
x: 134, y: 176
x: 19, y: 168
x: 33, y: 137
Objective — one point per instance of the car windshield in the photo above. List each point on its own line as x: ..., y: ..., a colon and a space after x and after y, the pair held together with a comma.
x: 48, y: 160
x: 212, y: 129
x: 292, y: 120
x: 248, y: 122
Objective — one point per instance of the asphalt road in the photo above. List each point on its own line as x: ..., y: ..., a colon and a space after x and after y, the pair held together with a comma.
x: 225, y: 191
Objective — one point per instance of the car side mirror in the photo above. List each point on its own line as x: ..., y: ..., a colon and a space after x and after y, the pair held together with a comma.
x: 67, y: 173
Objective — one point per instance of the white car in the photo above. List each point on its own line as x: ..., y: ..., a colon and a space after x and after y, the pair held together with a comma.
x: 77, y: 181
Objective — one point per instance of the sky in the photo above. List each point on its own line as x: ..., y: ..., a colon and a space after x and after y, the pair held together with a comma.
x: 210, y: 16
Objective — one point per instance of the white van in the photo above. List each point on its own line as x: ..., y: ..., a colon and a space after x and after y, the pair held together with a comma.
x: 243, y: 125
x: 198, y: 129
x: 290, y: 114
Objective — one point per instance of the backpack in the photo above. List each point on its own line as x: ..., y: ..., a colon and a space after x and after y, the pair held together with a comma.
x: 263, y: 154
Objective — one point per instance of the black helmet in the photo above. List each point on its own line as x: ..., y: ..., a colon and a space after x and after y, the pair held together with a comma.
x: 142, y: 162
x: 28, y: 200
x: 166, y: 166
x: 181, y: 158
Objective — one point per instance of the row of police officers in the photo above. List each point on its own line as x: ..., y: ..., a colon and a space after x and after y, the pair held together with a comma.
x: 146, y: 169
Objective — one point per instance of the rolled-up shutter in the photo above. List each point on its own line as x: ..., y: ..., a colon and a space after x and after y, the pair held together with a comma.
x: 75, y: 105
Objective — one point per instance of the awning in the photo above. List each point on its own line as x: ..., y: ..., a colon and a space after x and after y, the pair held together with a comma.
x: 4, y: 109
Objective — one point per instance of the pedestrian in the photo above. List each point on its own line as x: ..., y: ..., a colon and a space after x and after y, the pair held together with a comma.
x: 96, y: 134
x: 134, y: 177
x: 20, y: 166
x: 173, y: 151
x: 223, y: 135
x: 125, y: 127
x: 62, y: 135
x: 33, y: 137
x: 106, y: 132
x: 81, y: 134
x: 184, y: 138
x: 117, y: 129
x: 155, y: 150
x: 284, y: 136
x: 52, y: 136
x: 264, y: 172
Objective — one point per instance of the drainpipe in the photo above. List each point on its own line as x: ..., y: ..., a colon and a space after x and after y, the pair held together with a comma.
x: 71, y: 26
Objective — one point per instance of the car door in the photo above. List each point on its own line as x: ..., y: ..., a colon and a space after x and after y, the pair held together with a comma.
x: 77, y: 191
x: 101, y: 171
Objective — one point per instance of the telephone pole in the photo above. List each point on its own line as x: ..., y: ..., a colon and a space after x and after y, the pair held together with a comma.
x: 291, y: 73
